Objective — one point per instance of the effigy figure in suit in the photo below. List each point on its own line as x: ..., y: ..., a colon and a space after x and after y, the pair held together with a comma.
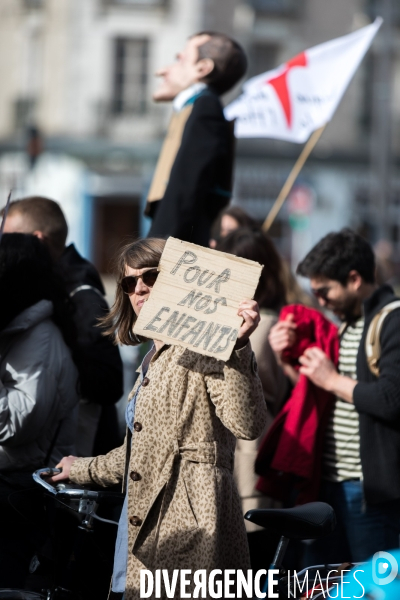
x: 193, y: 178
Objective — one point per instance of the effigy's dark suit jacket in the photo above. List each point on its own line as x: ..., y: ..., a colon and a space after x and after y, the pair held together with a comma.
x: 200, y: 180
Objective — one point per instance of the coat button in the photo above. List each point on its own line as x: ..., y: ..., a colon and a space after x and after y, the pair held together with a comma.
x: 145, y: 381
x: 135, y: 476
x: 137, y: 426
x: 135, y: 521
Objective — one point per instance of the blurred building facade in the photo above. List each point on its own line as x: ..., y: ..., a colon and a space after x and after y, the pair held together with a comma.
x: 352, y: 176
x: 83, y: 73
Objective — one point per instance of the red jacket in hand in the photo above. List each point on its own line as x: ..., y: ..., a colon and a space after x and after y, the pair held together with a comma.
x: 290, y: 457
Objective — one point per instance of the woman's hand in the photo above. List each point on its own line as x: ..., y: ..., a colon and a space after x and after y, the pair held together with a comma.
x: 65, y: 464
x: 248, y: 309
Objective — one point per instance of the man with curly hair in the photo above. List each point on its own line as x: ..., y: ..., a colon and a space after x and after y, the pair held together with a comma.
x: 361, y: 456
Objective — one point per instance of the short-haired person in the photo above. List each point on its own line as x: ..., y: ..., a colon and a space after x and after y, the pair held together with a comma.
x: 361, y: 457
x: 182, y: 509
x: 97, y: 358
x: 193, y: 178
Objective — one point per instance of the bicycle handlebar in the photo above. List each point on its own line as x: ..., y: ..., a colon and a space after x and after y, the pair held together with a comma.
x: 105, y: 497
x: 89, y: 500
x: 37, y: 477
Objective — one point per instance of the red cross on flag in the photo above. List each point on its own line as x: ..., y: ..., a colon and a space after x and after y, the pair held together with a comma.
x: 300, y: 96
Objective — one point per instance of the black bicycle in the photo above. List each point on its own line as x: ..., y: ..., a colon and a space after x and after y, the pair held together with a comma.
x: 308, y: 522
x: 74, y: 560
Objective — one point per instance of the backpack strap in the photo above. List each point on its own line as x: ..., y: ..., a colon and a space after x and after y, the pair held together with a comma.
x: 372, y: 339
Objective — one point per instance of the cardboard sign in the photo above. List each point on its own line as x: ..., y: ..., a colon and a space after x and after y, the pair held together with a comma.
x: 195, y: 299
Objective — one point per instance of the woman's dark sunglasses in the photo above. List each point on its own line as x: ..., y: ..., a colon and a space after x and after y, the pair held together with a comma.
x: 129, y: 283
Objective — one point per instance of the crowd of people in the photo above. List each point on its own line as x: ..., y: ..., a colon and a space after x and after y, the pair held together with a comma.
x: 191, y: 463
x: 302, y: 410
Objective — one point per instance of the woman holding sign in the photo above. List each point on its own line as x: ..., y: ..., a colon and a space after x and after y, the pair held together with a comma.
x: 182, y: 509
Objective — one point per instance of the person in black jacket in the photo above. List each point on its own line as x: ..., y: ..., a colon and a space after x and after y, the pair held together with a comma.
x: 97, y: 358
x: 361, y: 456
x: 193, y: 178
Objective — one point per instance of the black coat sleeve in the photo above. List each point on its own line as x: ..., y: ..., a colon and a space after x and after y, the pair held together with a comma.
x: 380, y: 398
x: 98, y: 359
x: 204, y: 146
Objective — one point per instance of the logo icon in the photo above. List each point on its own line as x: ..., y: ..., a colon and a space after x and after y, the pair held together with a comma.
x: 384, y: 568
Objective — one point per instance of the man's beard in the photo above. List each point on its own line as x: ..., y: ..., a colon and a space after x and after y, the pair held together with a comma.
x: 350, y: 311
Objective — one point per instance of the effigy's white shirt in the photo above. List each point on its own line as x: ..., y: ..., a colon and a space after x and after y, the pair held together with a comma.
x: 187, y: 95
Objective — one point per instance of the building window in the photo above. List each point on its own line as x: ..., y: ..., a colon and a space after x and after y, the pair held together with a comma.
x: 262, y: 57
x: 130, y: 76
x: 368, y: 72
x: 279, y: 7
x: 24, y: 112
x: 374, y: 9
x: 137, y: 2
x: 34, y: 3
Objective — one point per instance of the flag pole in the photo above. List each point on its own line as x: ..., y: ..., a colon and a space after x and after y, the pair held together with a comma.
x: 305, y: 153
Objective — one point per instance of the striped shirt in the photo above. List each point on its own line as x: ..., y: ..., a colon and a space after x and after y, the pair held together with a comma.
x: 341, y: 458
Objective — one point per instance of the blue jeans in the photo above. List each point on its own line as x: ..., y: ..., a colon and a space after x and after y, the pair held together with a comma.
x: 361, y: 529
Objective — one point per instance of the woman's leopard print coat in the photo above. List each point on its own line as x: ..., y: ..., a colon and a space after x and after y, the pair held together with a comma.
x: 183, y: 507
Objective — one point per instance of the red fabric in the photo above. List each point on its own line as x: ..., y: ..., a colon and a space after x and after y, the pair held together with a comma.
x: 290, y: 457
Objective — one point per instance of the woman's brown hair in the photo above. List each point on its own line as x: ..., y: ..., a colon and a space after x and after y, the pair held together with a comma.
x: 119, y: 322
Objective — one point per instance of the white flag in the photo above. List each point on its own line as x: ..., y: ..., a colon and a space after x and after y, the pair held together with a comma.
x: 290, y: 102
